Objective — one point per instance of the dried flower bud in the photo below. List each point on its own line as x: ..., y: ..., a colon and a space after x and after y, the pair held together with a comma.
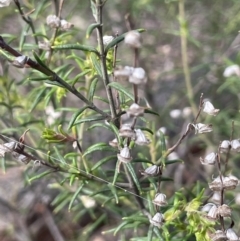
x: 138, y: 76
x: 126, y: 131
x: 231, y: 235
x: 157, y: 220
x: 160, y: 200
x: 135, y: 110
x: 20, y: 61
x: 230, y: 182
x: 175, y: 113
x: 141, y: 139
x: 133, y: 39
x: 113, y: 143
x: 5, y: 3
x: 45, y: 45
x: 7, y: 147
x: 53, y: 21
x: 210, y: 159
x: 212, y: 213
x: 231, y: 70
x: 65, y: 25
x: 21, y: 157
x: 219, y: 235
x: 235, y: 145
x: 216, y: 184
x: 202, y: 128
x: 216, y: 197
x: 124, y: 72
x: 151, y: 171
x: 186, y: 112
x: 224, y: 211
x: 125, y: 155
x: 225, y: 146
x: 209, y: 108
x: 207, y: 207
x: 107, y: 39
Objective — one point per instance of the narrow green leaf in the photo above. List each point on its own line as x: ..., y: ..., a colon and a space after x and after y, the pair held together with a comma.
x: 122, y: 89
x: 101, y: 125
x: 134, y: 176
x: 92, y: 89
x: 90, y: 29
x: 149, y: 111
x: 90, y: 119
x: 103, y: 161
x: 114, y: 192
x: 40, y: 78
x: 94, y: 9
x: 120, y: 227
x: 141, y: 160
x: 119, y: 39
x: 77, y: 77
x: 101, y: 146
x: 96, y: 64
x: 116, y: 173
x: 40, y: 61
x: 77, y: 47
x: 75, y: 196
x: 75, y: 116
x: 39, y: 97
x: 43, y: 174
x: 168, y: 162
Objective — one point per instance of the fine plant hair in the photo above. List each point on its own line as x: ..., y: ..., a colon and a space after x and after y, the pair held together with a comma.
x: 101, y: 138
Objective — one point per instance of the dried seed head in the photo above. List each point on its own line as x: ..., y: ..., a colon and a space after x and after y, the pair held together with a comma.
x: 216, y: 198
x: 151, y: 171
x: 231, y: 235
x: 235, y: 145
x: 133, y: 39
x: 107, y: 39
x: 231, y: 70
x: 127, y: 131
x: 135, y: 110
x: 210, y: 159
x: 207, y: 207
x: 138, y: 76
x: 212, y: 213
x: 202, y: 128
x: 65, y: 25
x: 113, y: 143
x: 224, y: 211
x: 45, y: 45
x: 21, y: 157
x: 225, y: 146
x: 125, y: 155
x: 219, y: 235
x: 53, y: 21
x: 216, y: 184
x: 175, y: 114
x: 124, y: 72
x: 230, y: 182
x: 20, y: 61
x: 157, y: 220
x: 209, y: 108
x: 5, y: 3
x: 7, y: 148
x: 160, y: 200
x: 141, y: 139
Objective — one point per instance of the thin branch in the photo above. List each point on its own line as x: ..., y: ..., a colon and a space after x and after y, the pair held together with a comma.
x: 27, y: 19
x: 53, y: 76
x: 105, y: 77
x: 55, y: 32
